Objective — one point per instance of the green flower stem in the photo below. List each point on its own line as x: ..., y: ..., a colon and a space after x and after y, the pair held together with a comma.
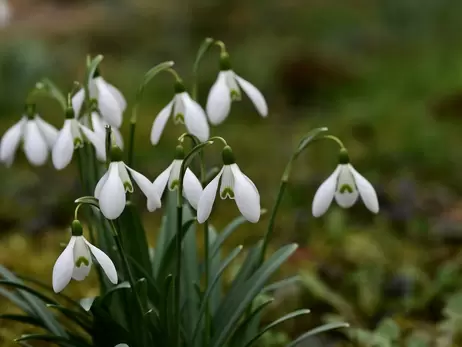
x: 131, y: 141
x: 206, y: 44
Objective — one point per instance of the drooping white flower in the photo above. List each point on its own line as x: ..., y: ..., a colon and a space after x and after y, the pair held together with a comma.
x: 71, y: 137
x: 5, y: 13
x: 36, y: 136
x: 99, y: 127
x: 76, y: 260
x: 184, y: 111
x: 226, y: 89
x: 345, y: 184
x: 192, y: 188
x: 111, y: 102
x: 234, y: 185
x: 111, y: 188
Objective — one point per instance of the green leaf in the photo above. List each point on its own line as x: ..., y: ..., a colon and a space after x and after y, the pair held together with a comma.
x: 52, y: 338
x: 154, y: 292
x: 167, y: 232
x: 227, y: 231
x: 209, y: 290
x: 281, y: 284
x: 23, y: 319
x: 190, y: 275
x: 214, y: 271
x: 276, y: 323
x: 388, y: 329
x: 121, y: 286
x: 227, y: 317
x: 79, y: 318
x: 25, y: 288
x: 239, y: 336
x: 88, y: 200
x: 17, y: 300
x: 308, y: 138
x: 318, y: 330
x: 204, y: 47
x: 134, y: 238
x: 36, y: 305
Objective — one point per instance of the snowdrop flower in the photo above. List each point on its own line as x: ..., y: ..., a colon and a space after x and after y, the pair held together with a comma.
x: 111, y: 188
x: 345, y: 184
x: 5, y: 13
x: 70, y: 137
x: 111, y: 102
x: 36, y: 135
x: 234, y: 185
x: 192, y: 188
x: 184, y: 110
x: 226, y: 89
x: 76, y: 260
x: 98, y: 124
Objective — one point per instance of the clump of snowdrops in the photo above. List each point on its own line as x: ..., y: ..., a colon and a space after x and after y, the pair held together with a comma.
x: 166, y: 295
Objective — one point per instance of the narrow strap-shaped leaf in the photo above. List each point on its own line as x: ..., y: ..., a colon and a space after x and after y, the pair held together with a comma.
x: 36, y: 305
x: 308, y: 138
x: 154, y: 293
x: 281, y: 284
x: 121, y: 286
x: 59, y: 340
x: 214, y: 268
x: 276, y: 323
x: 223, y: 266
x: 23, y: 319
x: 227, y: 231
x: 238, y: 338
x: 17, y: 300
x: 29, y: 290
x: 83, y: 320
x: 318, y: 330
x: 227, y: 319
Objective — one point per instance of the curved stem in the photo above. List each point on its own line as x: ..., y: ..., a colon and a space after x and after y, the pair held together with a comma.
x: 219, y: 138
x: 206, y: 44
x: 335, y: 139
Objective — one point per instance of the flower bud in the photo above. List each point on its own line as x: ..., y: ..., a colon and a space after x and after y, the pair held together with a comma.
x: 228, y: 156
x: 225, y: 62
x: 76, y: 228
x: 70, y: 112
x: 343, y: 156
x: 179, y: 152
x: 116, y: 154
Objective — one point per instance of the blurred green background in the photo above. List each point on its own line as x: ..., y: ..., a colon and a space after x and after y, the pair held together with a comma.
x: 384, y: 75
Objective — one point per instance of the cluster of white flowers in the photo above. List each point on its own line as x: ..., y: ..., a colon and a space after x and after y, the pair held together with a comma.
x: 39, y: 138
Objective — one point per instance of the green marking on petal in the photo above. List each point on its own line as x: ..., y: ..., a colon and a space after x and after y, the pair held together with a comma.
x: 128, y: 186
x: 78, y: 142
x: 227, y: 193
x: 174, y: 185
x: 179, y: 118
x: 235, y: 95
x: 346, y: 188
x: 82, y: 261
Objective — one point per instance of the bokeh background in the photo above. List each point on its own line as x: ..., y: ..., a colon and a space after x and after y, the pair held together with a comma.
x: 384, y: 75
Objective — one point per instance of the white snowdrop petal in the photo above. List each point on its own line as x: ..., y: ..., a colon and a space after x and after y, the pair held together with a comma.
x: 100, y: 184
x: 227, y: 183
x: 325, y: 194
x: 366, y: 191
x: 77, y: 101
x: 112, y: 195
x: 178, y: 109
x: 123, y: 174
x: 62, y: 270
x: 246, y: 195
x: 346, y: 193
x: 82, y: 259
x: 254, y: 95
x: 118, y: 137
x: 147, y: 188
x: 192, y: 188
x: 117, y: 94
x: 174, y: 177
x: 219, y: 100
x: 204, y: 207
x: 159, y: 123
x: 49, y: 132
x: 81, y: 272
x: 10, y: 142
x: 195, y: 118
x: 35, y: 146
x: 98, y: 141
x: 98, y: 124
x: 108, y: 104
x: 63, y: 149
x: 105, y: 262
x: 161, y: 181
